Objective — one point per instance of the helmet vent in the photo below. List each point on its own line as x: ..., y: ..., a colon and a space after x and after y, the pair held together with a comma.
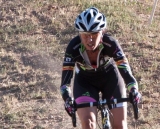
x: 94, y: 13
x: 103, y: 18
x: 77, y: 26
x: 102, y: 26
x: 88, y: 18
x: 82, y: 26
x: 80, y: 17
x: 99, y: 18
x: 85, y: 13
x: 93, y: 26
x: 94, y: 9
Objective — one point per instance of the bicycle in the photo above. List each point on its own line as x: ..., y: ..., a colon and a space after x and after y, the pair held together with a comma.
x: 105, y: 112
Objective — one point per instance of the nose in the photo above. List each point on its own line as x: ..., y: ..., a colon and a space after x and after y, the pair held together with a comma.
x: 90, y: 37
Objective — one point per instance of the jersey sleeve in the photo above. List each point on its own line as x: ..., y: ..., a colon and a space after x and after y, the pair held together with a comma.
x: 68, y: 69
x: 122, y: 63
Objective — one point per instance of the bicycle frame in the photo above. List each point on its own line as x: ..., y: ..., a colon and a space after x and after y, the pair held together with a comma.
x: 105, y: 116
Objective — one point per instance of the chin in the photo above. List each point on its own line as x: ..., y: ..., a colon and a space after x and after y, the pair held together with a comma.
x: 90, y: 49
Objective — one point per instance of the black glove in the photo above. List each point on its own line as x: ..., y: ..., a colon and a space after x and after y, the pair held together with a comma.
x: 136, y: 96
x: 69, y: 106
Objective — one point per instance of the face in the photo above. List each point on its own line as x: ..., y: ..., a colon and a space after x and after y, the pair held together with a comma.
x: 91, y: 40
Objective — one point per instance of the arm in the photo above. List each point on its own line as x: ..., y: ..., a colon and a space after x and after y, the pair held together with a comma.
x: 68, y: 67
x: 126, y: 73
x: 124, y: 69
x: 67, y: 74
x: 121, y: 61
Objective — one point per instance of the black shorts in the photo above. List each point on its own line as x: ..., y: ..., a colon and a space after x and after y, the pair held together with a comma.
x: 88, y: 84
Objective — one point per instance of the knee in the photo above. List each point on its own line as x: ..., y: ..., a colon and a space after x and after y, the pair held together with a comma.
x: 87, y: 117
x: 120, y: 118
x: 88, y: 123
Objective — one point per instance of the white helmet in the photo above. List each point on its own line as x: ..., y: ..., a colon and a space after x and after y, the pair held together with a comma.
x: 90, y: 20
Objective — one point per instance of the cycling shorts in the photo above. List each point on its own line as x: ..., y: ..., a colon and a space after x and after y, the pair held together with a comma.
x: 88, y: 85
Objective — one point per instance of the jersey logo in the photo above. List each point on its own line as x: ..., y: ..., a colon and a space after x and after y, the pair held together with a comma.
x: 68, y: 59
x: 119, y: 54
x: 86, y: 94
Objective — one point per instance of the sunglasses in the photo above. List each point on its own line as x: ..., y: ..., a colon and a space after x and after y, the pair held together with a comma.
x: 89, y: 34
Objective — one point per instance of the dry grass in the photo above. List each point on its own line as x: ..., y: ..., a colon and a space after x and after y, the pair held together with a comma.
x: 33, y: 36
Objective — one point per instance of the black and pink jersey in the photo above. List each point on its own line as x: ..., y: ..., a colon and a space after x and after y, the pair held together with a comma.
x: 109, y: 51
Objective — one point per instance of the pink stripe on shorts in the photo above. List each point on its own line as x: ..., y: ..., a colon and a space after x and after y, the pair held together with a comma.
x: 83, y: 99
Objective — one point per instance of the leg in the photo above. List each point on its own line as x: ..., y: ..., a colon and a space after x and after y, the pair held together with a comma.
x: 120, y: 117
x: 84, y: 92
x: 87, y: 117
x: 116, y: 89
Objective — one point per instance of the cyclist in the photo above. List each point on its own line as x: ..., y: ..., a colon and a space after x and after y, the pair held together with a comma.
x: 100, y: 65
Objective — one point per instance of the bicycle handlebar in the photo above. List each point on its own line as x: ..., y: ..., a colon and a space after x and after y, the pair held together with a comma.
x: 105, y: 102
x: 135, y: 106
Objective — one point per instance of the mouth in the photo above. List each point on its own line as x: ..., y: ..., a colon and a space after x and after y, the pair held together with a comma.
x: 90, y: 45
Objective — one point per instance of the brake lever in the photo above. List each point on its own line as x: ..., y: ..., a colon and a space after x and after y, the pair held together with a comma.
x: 135, y: 106
x: 74, y: 114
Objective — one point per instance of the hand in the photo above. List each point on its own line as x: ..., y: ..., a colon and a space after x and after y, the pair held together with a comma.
x: 69, y: 107
x: 136, y: 95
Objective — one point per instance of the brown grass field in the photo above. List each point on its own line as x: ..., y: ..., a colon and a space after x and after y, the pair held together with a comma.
x: 33, y: 38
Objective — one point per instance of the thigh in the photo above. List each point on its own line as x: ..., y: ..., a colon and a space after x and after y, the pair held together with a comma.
x: 120, y: 117
x: 114, y: 86
x: 84, y: 91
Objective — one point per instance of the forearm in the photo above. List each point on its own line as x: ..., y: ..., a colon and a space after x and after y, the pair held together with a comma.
x: 126, y: 74
x: 65, y: 83
x: 65, y: 92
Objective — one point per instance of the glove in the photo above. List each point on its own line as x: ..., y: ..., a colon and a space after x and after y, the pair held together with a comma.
x: 136, y: 96
x: 69, y: 106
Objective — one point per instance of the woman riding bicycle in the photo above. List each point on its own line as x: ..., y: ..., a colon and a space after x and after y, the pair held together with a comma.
x: 100, y: 65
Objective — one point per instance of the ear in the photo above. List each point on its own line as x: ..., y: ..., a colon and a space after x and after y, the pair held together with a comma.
x: 102, y: 37
x: 102, y: 34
